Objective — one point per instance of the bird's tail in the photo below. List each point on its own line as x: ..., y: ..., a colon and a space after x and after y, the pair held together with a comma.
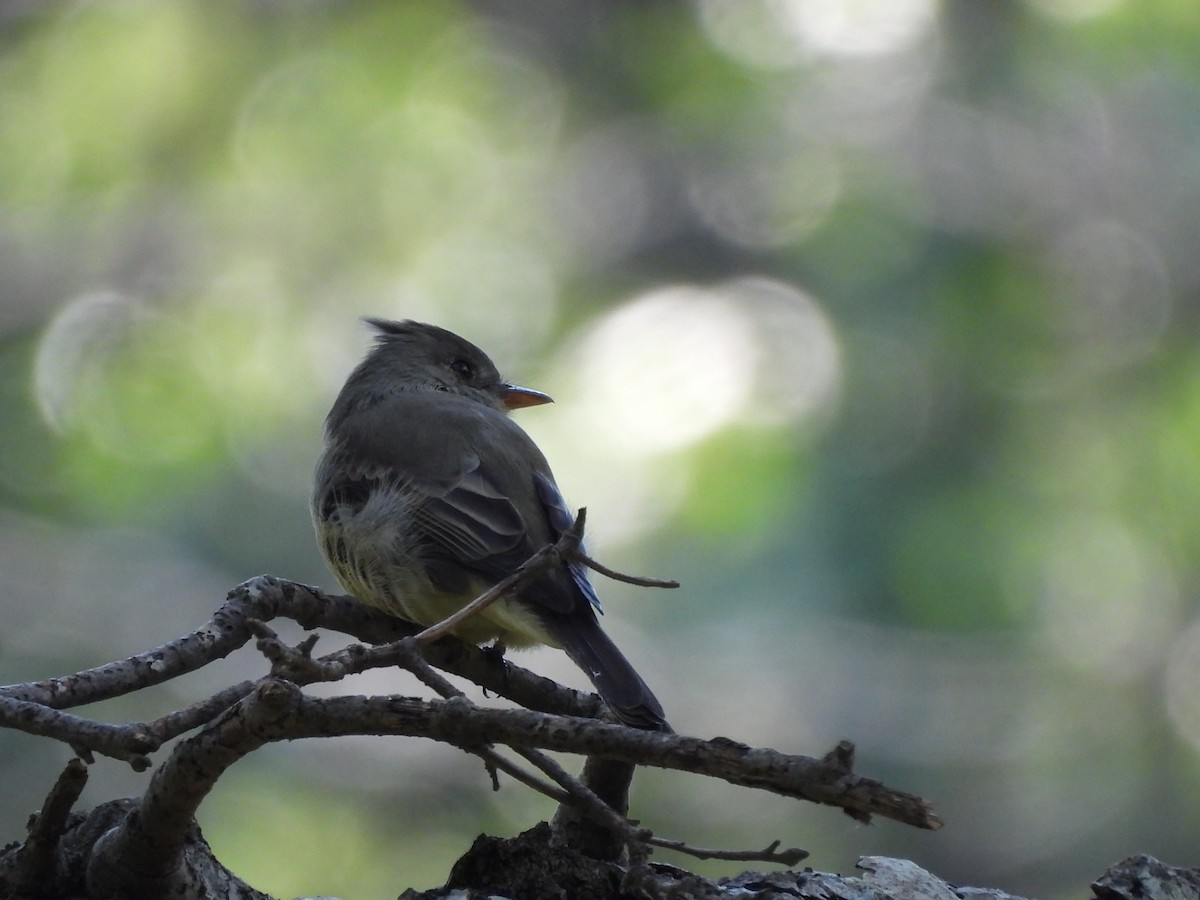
x: 615, y: 679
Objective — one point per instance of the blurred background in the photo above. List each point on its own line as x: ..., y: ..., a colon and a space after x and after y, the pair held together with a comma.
x: 873, y: 322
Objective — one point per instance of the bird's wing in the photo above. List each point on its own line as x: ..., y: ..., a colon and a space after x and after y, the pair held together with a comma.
x: 560, y: 519
x: 470, y: 517
x: 471, y: 524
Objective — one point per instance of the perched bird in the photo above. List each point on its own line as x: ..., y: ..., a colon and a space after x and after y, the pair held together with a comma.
x: 427, y: 493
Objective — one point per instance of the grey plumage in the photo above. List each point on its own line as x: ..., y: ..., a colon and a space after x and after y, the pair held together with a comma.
x: 427, y: 493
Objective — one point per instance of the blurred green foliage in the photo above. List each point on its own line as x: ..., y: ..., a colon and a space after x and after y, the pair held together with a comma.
x: 874, y: 323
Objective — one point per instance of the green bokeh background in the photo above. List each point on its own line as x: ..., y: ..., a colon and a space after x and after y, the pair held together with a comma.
x: 874, y: 323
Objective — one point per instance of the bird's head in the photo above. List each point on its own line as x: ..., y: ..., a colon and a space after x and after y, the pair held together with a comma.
x: 427, y: 357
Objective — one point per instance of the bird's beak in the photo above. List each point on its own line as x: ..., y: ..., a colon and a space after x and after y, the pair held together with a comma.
x: 514, y: 397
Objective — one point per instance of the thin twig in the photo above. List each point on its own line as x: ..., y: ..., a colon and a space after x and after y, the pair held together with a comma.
x: 411, y: 659
x: 196, y: 714
x: 639, y: 580
x: 583, y: 797
x: 771, y: 853
x: 493, y: 757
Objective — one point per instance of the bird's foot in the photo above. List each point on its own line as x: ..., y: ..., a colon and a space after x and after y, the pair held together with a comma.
x: 495, y: 651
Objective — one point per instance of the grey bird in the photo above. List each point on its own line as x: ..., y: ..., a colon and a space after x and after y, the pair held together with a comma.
x: 427, y: 493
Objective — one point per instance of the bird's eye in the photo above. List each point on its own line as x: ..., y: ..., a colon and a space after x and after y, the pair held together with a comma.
x: 462, y: 369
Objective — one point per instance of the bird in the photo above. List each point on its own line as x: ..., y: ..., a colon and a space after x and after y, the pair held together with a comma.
x: 427, y: 493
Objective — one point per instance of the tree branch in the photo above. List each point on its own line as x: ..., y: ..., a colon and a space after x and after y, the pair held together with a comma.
x: 147, y: 853
x: 38, y: 856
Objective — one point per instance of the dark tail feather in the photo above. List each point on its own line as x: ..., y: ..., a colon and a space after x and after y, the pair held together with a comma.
x: 615, y: 679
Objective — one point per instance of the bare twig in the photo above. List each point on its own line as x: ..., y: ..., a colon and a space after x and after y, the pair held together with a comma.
x: 411, y: 658
x: 639, y: 580
x: 771, y: 853
x: 495, y: 759
x: 196, y: 714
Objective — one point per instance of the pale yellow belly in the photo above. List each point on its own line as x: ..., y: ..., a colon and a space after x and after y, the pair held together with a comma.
x: 508, y: 621
x: 399, y: 586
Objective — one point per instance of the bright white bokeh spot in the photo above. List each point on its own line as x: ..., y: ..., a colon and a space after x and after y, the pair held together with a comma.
x: 751, y: 32
x: 667, y: 370
x: 799, y: 360
x: 674, y: 366
x: 777, y: 34
x: 664, y: 372
x: 860, y: 27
